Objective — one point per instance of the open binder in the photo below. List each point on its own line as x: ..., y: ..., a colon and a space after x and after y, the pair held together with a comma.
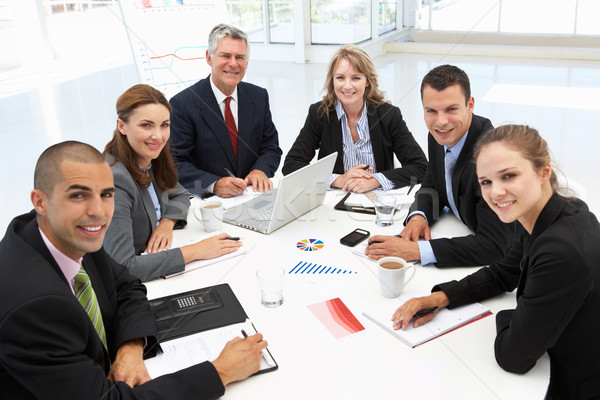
x: 194, y: 326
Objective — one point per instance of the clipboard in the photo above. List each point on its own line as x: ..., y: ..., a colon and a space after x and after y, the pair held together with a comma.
x: 200, y: 310
x: 342, y: 206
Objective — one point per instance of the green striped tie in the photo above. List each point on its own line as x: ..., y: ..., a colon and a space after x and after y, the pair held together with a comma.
x: 87, y: 298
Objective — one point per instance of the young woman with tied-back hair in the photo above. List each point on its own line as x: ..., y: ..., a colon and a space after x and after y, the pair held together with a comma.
x: 555, y: 266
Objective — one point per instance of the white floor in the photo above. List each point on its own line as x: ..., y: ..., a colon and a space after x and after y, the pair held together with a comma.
x: 559, y: 98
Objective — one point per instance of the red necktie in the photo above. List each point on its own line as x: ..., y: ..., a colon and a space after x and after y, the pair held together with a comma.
x: 231, y: 128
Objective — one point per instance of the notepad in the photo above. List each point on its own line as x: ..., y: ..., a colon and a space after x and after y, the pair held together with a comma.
x: 444, y: 321
x: 204, y: 346
x: 246, y: 246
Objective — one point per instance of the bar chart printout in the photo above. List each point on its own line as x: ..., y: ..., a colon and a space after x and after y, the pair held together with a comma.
x: 336, y: 317
x: 316, y: 268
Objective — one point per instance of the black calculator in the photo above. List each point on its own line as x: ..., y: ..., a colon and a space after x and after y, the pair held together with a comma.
x: 186, y: 303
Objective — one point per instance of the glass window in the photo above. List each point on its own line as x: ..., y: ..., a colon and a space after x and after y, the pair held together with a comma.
x: 248, y: 16
x: 587, y: 17
x: 9, y: 32
x: 461, y: 15
x: 340, y: 21
x: 387, y: 16
x: 281, y: 21
x: 538, y: 16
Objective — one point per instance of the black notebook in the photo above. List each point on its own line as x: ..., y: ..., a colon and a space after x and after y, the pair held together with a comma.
x: 194, y: 326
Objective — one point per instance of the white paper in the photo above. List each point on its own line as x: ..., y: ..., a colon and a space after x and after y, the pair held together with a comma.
x: 246, y: 246
x: 194, y: 349
x: 444, y: 321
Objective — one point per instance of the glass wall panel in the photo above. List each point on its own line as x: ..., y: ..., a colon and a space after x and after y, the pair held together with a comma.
x: 587, y: 17
x: 340, y: 21
x: 387, y: 15
x: 281, y: 21
x: 248, y: 16
x: 462, y: 15
x: 538, y: 16
x: 9, y: 32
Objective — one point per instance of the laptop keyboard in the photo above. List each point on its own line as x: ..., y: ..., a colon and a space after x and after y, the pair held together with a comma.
x: 263, y: 215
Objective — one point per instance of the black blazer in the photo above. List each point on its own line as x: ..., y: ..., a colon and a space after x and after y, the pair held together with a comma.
x: 389, y: 136
x: 50, y: 349
x: 557, y: 270
x: 200, y: 142
x: 492, y: 238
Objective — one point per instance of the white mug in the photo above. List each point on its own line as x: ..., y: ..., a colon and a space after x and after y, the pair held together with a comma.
x: 392, y: 274
x: 212, y: 215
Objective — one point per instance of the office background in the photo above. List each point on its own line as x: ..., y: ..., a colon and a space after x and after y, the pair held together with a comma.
x: 64, y: 63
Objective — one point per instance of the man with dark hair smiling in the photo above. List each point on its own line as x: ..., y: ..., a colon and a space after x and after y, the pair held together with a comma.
x: 450, y: 181
x: 74, y: 323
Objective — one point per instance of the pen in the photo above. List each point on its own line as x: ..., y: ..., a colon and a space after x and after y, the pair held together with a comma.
x: 366, y: 167
x: 236, y: 238
x: 244, y: 333
x: 410, y: 188
x: 419, y: 314
x: 229, y: 173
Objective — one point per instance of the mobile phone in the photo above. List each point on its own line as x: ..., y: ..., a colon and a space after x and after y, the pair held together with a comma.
x: 354, y: 237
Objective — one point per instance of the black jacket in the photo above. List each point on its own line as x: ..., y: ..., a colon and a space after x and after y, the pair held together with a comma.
x: 557, y: 272
x: 389, y: 135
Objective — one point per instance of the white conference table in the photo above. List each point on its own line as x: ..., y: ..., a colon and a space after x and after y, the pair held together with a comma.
x: 371, y: 364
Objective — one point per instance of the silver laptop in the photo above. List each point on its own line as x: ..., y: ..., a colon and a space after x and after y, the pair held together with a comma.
x: 297, y: 194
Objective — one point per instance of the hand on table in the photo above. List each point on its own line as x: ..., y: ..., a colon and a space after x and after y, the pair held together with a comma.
x: 214, y: 246
x: 402, y: 316
x: 229, y: 187
x: 240, y: 358
x: 392, y: 246
x: 162, y: 237
x: 416, y: 229
x: 361, y: 185
x: 357, y: 172
x: 129, y: 364
x: 259, y: 181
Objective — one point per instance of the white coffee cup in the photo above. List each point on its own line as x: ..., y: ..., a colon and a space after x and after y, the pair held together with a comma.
x: 212, y: 215
x: 392, y: 274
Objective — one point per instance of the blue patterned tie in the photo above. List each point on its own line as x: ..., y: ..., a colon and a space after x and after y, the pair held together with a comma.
x: 87, y: 298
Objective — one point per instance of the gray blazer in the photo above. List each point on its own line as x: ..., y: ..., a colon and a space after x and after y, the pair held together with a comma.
x: 134, y: 221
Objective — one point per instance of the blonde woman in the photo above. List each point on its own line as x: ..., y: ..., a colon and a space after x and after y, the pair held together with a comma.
x: 354, y: 119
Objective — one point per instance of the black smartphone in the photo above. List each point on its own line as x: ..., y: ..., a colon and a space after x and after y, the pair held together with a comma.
x: 354, y: 237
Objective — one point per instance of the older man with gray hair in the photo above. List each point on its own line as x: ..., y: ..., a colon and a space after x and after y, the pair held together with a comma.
x: 222, y: 136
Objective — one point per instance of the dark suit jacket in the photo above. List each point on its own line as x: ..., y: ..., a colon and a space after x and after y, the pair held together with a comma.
x: 557, y: 269
x: 134, y: 220
x: 200, y: 142
x: 389, y: 136
x: 49, y: 347
x: 492, y: 238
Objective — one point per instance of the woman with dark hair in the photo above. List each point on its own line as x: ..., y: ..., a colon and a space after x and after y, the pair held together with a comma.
x: 555, y: 266
x: 354, y: 119
x: 149, y: 202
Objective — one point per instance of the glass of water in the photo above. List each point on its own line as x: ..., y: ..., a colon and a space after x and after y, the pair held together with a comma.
x: 270, y: 280
x: 385, y: 206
